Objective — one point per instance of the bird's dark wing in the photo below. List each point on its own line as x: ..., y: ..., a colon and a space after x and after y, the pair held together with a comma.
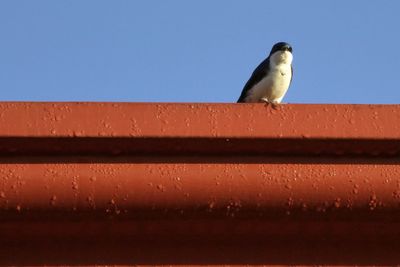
x: 291, y: 77
x: 258, y: 74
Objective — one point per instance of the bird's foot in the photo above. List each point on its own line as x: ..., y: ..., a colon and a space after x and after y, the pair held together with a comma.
x: 275, y: 105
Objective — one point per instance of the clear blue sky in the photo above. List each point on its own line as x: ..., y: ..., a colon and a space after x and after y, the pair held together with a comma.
x: 196, y: 51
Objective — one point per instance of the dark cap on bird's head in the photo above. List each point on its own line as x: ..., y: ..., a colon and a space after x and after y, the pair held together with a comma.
x: 281, y: 46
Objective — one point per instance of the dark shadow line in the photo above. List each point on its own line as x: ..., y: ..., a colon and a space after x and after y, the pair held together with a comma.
x: 198, y: 159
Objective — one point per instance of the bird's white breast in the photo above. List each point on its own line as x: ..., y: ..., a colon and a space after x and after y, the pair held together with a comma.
x: 273, y: 87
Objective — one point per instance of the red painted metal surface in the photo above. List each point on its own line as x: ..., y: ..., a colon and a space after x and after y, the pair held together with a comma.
x: 114, y: 183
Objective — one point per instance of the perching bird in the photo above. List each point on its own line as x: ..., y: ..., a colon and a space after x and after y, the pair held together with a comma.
x: 271, y: 79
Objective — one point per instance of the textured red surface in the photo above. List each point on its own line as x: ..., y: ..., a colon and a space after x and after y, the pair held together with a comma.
x: 199, y: 120
x: 103, y: 183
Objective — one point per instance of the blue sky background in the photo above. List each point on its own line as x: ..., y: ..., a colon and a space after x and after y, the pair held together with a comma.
x: 196, y: 51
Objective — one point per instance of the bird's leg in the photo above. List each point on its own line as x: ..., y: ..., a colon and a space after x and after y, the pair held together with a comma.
x: 264, y: 100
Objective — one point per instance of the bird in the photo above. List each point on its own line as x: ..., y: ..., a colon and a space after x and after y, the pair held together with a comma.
x: 272, y: 78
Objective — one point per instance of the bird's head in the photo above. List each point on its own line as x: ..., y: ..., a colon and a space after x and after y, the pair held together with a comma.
x: 281, y: 53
